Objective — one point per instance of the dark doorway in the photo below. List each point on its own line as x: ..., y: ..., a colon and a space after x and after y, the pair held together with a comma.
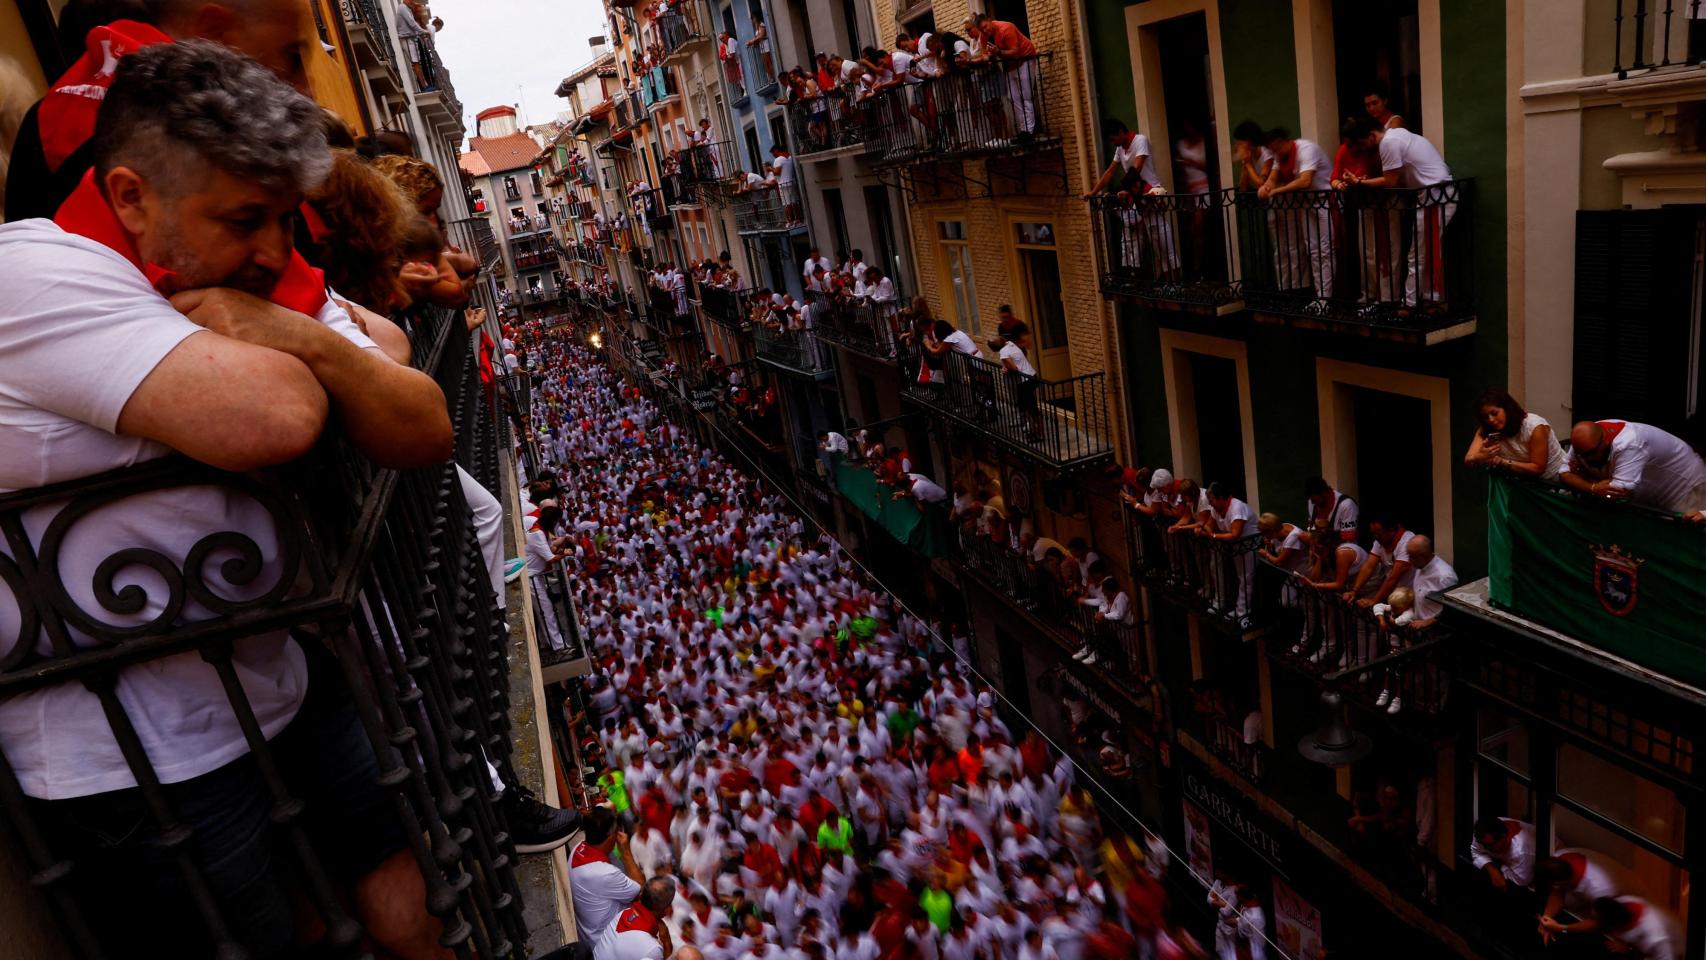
x: 882, y: 233
x: 1188, y: 93
x: 1220, y: 426
x: 1013, y: 11
x: 756, y: 155
x: 1401, y: 486
x: 832, y: 205
x: 1015, y: 677
x: 1378, y: 46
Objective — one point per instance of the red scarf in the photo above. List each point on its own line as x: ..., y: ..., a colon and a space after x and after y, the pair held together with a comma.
x: 87, y: 214
x: 586, y: 853
x: 637, y: 917
x: 67, y: 114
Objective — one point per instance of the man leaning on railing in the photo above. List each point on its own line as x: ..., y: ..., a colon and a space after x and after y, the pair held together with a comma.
x: 163, y: 310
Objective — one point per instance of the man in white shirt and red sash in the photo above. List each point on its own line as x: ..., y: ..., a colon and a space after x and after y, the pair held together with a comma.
x: 639, y: 932
x: 600, y: 887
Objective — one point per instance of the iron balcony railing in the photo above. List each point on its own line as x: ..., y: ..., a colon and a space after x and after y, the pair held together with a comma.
x: 1221, y: 579
x: 545, y: 293
x: 727, y: 308
x: 584, y: 252
x: 1653, y: 34
x: 366, y: 13
x: 682, y: 26
x: 707, y: 162
x: 657, y: 85
x: 630, y: 109
x: 763, y: 66
x: 377, y: 573
x: 1062, y: 423
x: 1169, y: 247
x: 433, y: 77
x: 734, y: 78
x: 1038, y: 585
x: 653, y: 207
x: 767, y: 208
x: 831, y: 120
x: 984, y: 109
x: 661, y: 305
x: 1396, y: 260
x: 522, y: 226
x: 865, y: 327
x: 795, y: 351
x: 474, y: 235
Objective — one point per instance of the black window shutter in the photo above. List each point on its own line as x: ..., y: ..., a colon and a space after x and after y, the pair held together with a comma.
x: 1634, y: 272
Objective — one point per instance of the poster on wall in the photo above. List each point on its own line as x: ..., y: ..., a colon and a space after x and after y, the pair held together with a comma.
x: 1297, y: 924
x: 1198, y: 852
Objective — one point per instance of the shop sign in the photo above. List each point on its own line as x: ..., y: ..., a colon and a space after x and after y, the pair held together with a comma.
x: 1232, y: 812
x: 1199, y: 847
x: 704, y: 399
x: 1297, y: 924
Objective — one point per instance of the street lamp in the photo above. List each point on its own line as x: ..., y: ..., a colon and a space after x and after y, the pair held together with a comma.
x: 1334, y: 743
x: 596, y: 339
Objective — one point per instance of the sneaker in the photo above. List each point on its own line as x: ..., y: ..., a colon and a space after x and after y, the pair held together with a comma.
x: 1082, y: 653
x: 1384, y: 698
x: 513, y: 568
x: 1322, y: 654
x: 1396, y: 705
x: 1090, y: 661
x: 535, y: 827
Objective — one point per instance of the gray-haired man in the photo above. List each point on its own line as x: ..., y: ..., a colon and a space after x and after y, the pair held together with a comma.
x: 138, y: 324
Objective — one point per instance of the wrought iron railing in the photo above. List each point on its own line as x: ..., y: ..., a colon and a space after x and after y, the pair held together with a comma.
x: 653, y: 207
x: 1646, y: 37
x: 657, y: 85
x: 1398, y: 260
x: 681, y: 26
x: 727, y: 308
x: 984, y: 109
x: 830, y: 120
x: 474, y: 235
x: 1168, y: 247
x: 798, y: 351
x: 366, y: 13
x: 433, y: 78
x: 769, y: 207
x: 733, y: 76
x: 1037, y: 585
x: 377, y: 573
x: 1060, y: 422
x: 868, y: 328
x: 1222, y: 579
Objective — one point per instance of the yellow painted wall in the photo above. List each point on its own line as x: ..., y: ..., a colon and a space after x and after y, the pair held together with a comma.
x: 328, y: 74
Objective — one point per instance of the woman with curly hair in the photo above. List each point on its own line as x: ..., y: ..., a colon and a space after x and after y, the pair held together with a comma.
x: 424, y: 188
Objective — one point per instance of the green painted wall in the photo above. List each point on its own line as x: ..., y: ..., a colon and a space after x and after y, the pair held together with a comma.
x: 1261, y: 68
x: 1261, y: 82
x: 1110, y: 60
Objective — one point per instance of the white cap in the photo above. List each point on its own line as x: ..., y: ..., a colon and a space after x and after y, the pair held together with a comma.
x: 1161, y: 479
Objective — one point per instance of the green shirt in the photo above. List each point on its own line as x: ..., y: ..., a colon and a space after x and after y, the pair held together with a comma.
x: 939, y: 904
x: 839, y: 839
x: 615, y: 787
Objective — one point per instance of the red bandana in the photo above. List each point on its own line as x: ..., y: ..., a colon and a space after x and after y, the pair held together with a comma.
x: 587, y: 853
x: 67, y: 114
x: 87, y: 214
x: 637, y: 917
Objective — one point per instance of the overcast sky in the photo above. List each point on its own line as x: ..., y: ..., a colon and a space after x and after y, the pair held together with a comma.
x: 515, y: 51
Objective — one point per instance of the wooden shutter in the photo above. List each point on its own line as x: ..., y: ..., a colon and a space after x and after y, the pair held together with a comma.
x: 1634, y: 277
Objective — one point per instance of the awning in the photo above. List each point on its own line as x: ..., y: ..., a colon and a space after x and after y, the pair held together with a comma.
x: 901, y: 518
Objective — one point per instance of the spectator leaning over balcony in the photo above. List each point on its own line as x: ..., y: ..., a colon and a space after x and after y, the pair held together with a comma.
x: 200, y: 158
x: 1503, y: 850
x: 1333, y: 570
x: 1023, y: 378
x: 1018, y: 55
x: 1408, y: 161
x: 1432, y: 575
x: 1511, y: 439
x: 1303, y: 227
x: 1572, y: 880
x: 1139, y: 222
x: 1638, y: 927
x: 1286, y: 546
x: 1233, y: 522
x: 1326, y: 504
x: 1379, y: 243
x: 1620, y: 459
x: 52, y: 152
x: 1391, y: 556
x: 1249, y: 151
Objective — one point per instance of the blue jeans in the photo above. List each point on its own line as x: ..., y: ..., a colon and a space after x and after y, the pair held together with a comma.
x: 131, y: 889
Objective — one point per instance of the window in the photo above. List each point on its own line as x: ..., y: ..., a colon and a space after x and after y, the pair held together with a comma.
x: 1642, y: 871
x: 1621, y: 796
x: 837, y: 219
x: 538, y: 187
x: 779, y: 130
x: 882, y: 232
x: 956, y: 262
x: 1503, y: 739
x: 1035, y: 234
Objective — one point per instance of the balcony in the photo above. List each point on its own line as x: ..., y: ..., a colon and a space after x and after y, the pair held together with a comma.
x: 682, y: 28
x: 726, y: 308
x: 583, y: 252
x: 987, y: 109
x: 474, y: 235
x: 377, y: 573
x: 370, y: 38
x: 630, y: 109
x: 652, y: 206
x: 527, y: 226
x: 432, y: 81
x: 1062, y: 424
x: 1220, y: 579
x: 734, y: 78
x: 535, y: 256
x: 768, y: 208
x: 657, y: 86
x: 868, y: 329
x: 1612, y: 582
x: 793, y: 351
x: 1169, y: 250
x: 1389, y: 264
x: 830, y: 121
x: 662, y: 315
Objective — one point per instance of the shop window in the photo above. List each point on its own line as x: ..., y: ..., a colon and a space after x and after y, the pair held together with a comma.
x: 1621, y: 796
x: 1642, y: 871
x: 1503, y: 739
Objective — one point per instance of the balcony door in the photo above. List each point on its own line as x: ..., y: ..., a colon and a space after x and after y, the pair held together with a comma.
x: 1042, y: 304
x: 1219, y: 422
x: 1402, y: 488
x: 1378, y: 45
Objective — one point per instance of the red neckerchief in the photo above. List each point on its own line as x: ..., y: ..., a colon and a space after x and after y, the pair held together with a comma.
x: 1637, y: 910
x: 1512, y: 829
x: 67, y: 114
x: 1612, y: 428
x: 1578, y: 865
x: 586, y: 853
x: 87, y: 214
x: 637, y: 917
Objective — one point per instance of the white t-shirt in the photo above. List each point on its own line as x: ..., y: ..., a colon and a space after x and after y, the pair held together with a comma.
x: 1436, y: 576
x: 962, y: 342
x: 1400, y: 553
x: 784, y: 167
x: 927, y: 489
x: 1012, y: 351
x: 1658, y: 469
x: 1307, y: 155
x: 1516, y: 447
x: 1341, y: 514
x: 901, y: 64
x: 1236, y: 510
x: 1129, y: 154
x: 1417, y: 160
x: 616, y: 944
x: 79, y: 332
x: 600, y: 890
